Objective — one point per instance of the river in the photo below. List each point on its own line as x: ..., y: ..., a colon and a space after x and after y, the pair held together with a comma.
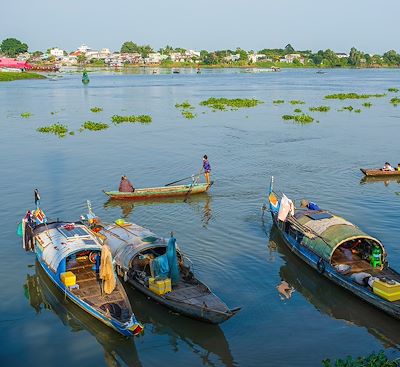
x: 233, y: 250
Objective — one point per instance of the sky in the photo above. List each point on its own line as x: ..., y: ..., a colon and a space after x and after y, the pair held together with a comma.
x: 368, y: 25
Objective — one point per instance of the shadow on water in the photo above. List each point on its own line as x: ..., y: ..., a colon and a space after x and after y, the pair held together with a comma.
x: 385, y: 180
x: 195, y: 202
x: 206, y: 341
x: 329, y: 299
x: 44, y: 295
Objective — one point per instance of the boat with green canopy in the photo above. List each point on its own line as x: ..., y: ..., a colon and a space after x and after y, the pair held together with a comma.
x: 338, y: 250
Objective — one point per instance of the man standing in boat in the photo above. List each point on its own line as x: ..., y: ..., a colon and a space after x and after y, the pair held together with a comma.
x: 207, y: 168
x: 125, y: 185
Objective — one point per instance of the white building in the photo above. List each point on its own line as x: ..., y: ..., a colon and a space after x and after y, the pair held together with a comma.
x: 256, y: 57
x: 57, y: 52
x: 341, y: 55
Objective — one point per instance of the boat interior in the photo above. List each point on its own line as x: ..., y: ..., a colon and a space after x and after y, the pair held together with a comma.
x: 85, y: 266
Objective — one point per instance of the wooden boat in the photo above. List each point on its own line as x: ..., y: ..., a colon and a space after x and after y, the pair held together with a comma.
x: 136, y: 249
x: 341, y: 252
x: 70, y: 255
x: 375, y: 172
x: 160, y: 192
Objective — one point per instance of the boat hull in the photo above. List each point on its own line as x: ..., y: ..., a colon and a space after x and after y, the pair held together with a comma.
x: 198, y: 313
x: 379, y: 173
x: 159, y: 192
x: 329, y: 272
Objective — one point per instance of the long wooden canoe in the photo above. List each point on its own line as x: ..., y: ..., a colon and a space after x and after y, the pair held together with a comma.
x: 378, y: 172
x: 160, y: 192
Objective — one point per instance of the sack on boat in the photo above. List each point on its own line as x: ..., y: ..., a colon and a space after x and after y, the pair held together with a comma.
x: 286, y: 207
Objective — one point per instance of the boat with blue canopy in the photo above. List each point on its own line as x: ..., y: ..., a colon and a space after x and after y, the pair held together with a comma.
x: 337, y: 250
x: 158, y: 268
x: 81, y: 267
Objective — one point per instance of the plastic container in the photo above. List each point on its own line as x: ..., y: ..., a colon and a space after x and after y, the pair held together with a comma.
x: 68, y: 278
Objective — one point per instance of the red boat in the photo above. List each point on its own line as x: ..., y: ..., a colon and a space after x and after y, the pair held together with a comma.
x: 14, y: 64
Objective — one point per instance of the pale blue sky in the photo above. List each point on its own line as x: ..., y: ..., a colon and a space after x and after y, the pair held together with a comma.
x: 369, y: 25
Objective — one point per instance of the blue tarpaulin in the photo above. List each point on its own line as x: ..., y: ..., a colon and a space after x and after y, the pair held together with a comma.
x: 166, y: 266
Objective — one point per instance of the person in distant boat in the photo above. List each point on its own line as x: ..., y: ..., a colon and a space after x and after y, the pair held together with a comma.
x: 388, y: 167
x: 398, y: 166
x: 207, y: 168
x: 125, y: 185
x: 309, y: 205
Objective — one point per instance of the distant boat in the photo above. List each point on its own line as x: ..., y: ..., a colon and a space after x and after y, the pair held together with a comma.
x: 75, y: 261
x: 85, y: 78
x: 375, y: 172
x: 321, y: 72
x: 175, y: 71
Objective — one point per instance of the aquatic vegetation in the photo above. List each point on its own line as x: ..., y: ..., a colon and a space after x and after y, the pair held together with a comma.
x: 296, y: 102
x: 278, y: 101
x: 94, y: 126
x: 10, y: 76
x: 320, y: 109
x: 72, y: 133
x: 184, y: 105
x: 298, y: 110
x: 348, y: 108
x: 96, y: 109
x: 367, y: 104
x: 353, y: 96
x: 222, y: 103
x: 357, y: 110
x: 26, y: 115
x: 143, y: 119
x: 189, y: 115
x: 393, y: 90
x: 373, y: 360
x: 395, y: 101
x: 301, y: 119
x: 56, y: 129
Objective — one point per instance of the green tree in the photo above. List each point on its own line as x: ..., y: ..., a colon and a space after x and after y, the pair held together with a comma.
x: 391, y: 58
x: 12, y: 47
x: 81, y: 58
x: 242, y: 54
x: 129, y: 47
x: 355, y: 57
x: 318, y: 57
x: 289, y: 49
x: 330, y: 58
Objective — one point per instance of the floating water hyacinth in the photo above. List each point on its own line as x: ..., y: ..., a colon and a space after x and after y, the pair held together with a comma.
x: 393, y: 90
x: 223, y: 103
x: 188, y: 115
x: 367, y: 104
x: 353, y: 96
x: 26, y: 115
x: 94, y: 126
x: 395, y: 101
x: 301, y: 119
x: 320, y: 109
x: 56, y: 129
x: 298, y: 110
x: 296, y: 102
x: 96, y: 109
x: 278, y: 101
x: 143, y: 119
x: 184, y: 105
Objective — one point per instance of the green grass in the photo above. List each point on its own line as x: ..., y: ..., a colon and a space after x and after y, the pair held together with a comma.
x: 367, y: 104
x: 143, y: 119
x: 320, y: 109
x: 222, y: 104
x: 298, y: 110
x: 278, y: 101
x: 395, y: 101
x: 26, y: 115
x: 56, y: 129
x: 184, y: 105
x: 188, y: 115
x: 393, y: 90
x: 94, y: 126
x: 296, y: 102
x: 301, y: 119
x: 342, y: 96
x: 96, y: 109
x: 373, y: 360
x: 9, y: 77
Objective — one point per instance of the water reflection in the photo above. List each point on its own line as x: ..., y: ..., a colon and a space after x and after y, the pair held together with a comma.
x: 44, y: 295
x: 385, y: 180
x: 200, y: 203
x: 332, y: 300
x: 205, y: 341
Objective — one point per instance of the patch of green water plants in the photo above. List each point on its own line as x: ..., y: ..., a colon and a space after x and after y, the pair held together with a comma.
x: 143, y: 119
x: 393, y: 90
x: 298, y: 110
x: 223, y: 103
x: 342, y: 96
x: 188, y: 115
x: 301, y: 119
x: 56, y: 129
x: 357, y: 110
x: 94, y: 126
x: 367, y: 104
x: 184, y: 105
x: 96, y: 109
x: 373, y: 360
x: 26, y: 115
x: 278, y: 101
x: 348, y: 108
x: 395, y: 101
x: 320, y: 109
x: 296, y: 102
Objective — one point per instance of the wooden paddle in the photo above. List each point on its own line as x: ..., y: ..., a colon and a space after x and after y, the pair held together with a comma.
x: 191, y: 186
x: 182, y: 179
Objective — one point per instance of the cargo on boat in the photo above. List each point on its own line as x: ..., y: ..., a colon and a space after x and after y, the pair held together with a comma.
x: 160, y: 192
x: 338, y: 250
x: 158, y: 268
x: 81, y: 267
x: 376, y: 172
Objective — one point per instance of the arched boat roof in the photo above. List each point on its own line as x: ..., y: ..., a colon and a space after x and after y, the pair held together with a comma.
x: 128, y: 240
x: 324, y: 232
x: 58, y: 242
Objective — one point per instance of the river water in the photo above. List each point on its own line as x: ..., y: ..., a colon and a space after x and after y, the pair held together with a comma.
x: 234, y: 251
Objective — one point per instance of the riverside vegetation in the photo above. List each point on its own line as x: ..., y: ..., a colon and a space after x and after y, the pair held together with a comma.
x: 10, y: 76
x: 222, y: 104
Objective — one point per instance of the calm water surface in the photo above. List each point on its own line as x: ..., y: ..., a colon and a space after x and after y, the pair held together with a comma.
x: 237, y: 254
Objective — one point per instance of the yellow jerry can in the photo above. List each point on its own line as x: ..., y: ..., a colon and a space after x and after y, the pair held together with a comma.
x: 68, y: 278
